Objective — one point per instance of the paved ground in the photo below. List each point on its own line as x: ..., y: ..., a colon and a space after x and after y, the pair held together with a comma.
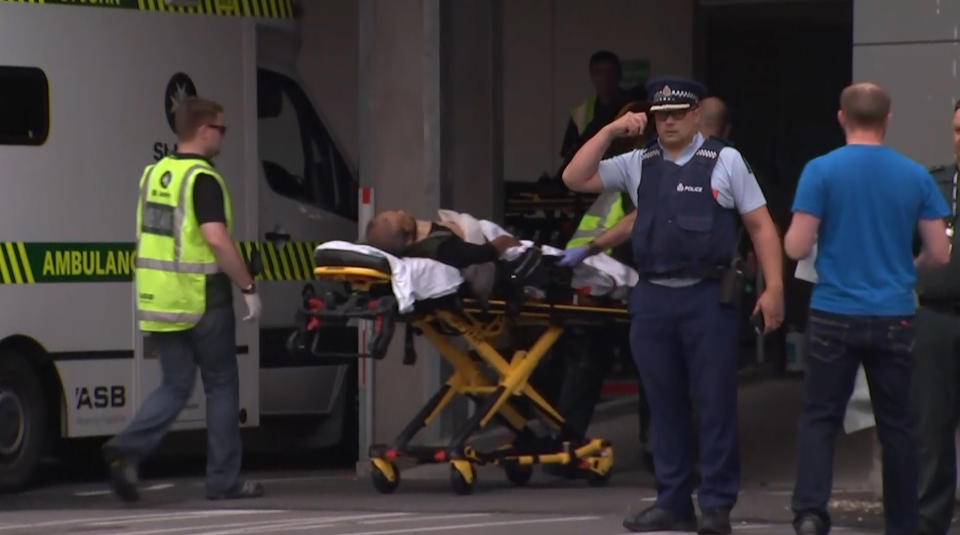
x: 329, y: 502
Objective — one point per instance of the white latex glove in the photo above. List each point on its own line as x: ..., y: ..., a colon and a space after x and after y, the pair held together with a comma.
x: 254, y: 306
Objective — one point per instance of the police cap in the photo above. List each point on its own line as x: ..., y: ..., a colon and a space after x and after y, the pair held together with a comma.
x: 674, y: 93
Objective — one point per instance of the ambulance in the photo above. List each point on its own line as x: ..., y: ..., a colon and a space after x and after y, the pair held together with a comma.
x: 88, y: 89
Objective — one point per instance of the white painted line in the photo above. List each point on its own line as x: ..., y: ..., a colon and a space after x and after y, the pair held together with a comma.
x: 93, y: 493
x: 293, y: 525
x: 261, y: 526
x: 159, y: 486
x: 182, y: 515
x: 424, y: 518
x: 475, y: 526
x: 129, y: 518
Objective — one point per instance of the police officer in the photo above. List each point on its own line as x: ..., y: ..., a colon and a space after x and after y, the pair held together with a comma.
x: 186, y: 260
x: 688, y: 191
x: 937, y: 373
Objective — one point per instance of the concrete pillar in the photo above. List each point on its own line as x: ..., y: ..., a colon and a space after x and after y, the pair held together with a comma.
x: 473, y: 106
x: 399, y: 131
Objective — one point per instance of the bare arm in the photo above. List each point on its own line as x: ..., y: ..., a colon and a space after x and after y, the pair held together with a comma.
x: 935, y: 251
x: 617, y: 234
x: 801, y: 235
x: 581, y: 173
x: 766, y: 241
x: 228, y: 257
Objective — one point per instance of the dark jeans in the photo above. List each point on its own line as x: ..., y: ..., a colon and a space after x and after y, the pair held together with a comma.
x: 587, y: 356
x: 837, y: 345
x: 210, y: 345
x: 936, y: 382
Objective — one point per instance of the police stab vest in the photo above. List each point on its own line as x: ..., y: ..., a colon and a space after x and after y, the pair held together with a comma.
x: 681, y: 230
x: 173, y: 259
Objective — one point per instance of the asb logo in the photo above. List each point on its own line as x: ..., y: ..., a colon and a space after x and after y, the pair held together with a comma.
x: 179, y: 87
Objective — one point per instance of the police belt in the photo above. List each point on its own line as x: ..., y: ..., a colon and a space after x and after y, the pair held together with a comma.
x: 713, y: 272
x: 943, y: 306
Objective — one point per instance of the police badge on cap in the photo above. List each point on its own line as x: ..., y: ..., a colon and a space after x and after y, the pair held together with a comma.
x: 674, y: 93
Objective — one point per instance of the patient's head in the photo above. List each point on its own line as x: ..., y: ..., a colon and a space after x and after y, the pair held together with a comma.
x: 392, y: 231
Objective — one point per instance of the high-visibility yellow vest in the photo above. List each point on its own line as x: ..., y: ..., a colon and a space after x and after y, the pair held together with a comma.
x: 604, y: 213
x: 173, y: 260
x: 582, y: 114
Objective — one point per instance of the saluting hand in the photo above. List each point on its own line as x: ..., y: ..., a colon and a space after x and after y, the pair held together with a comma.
x: 629, y: 125
x: 770, y: 304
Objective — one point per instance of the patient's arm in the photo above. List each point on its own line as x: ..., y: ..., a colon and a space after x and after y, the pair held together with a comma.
x: 460, y: 254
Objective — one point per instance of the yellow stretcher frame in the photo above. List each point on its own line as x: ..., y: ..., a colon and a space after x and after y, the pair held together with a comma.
x: 496, y: 399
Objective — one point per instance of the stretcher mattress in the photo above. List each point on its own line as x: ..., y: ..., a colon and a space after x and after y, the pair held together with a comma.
x: 421, y: 279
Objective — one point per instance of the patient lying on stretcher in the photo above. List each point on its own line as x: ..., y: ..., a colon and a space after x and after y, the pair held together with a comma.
x: 400, y: 234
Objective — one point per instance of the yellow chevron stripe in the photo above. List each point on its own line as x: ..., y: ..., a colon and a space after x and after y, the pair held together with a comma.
x: 245, y: 5
x: 256, y: 7
x: 25, y: 260
x: 283, y: 261
x: 12, y: 259
x: 268, y: 267
x: 290, y: 251
x: 3, y: 269
x: 304, y: 260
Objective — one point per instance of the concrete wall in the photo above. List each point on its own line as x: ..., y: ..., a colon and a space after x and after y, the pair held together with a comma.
x: 546, y: 47
x: 911, y: 49
x: 328, y: 66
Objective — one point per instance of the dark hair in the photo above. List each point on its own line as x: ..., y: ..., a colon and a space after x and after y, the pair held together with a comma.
x: 192, y: 113
x: 602, y: 56
x: 865, y: 105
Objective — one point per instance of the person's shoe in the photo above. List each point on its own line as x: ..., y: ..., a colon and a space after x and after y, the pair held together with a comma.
x: 244, y: 489
x: 810, y: 525
x: 715, y: 521
x: 123, y: 478
x: 657, y: 519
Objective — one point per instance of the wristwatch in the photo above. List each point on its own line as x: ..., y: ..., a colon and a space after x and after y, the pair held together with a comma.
x: 252, y: 289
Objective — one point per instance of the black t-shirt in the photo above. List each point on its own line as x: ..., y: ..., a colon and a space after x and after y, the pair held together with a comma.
x: 208, y: 207
x: 460, y: 254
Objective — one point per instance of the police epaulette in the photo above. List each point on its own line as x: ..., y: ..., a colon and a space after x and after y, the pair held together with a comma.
x: 650, y: 153
x: 722, y: 140
x: 936, y: 168
x: 706, y: 153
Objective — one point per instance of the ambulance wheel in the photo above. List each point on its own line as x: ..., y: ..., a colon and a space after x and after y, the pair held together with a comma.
x: 462, y: 477
x: 518, y: 474
x: 383, y: 483
x: 23, y: 421
x: 597, y: 480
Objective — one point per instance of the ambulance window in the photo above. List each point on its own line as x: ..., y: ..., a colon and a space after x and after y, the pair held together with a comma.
x: 300, y: 159
x: 24, y: 106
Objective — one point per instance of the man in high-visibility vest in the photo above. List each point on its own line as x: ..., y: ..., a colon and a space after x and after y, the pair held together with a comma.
x: 598, y: 109
x: 186, y: 260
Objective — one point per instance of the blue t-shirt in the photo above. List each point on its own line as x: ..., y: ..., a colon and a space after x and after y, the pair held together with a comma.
x: 869, y: 199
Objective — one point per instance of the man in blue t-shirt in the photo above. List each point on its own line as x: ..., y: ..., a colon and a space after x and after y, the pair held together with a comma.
x: 861, y: 204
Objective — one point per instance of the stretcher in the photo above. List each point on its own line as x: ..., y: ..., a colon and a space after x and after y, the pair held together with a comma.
x: 354, y: 285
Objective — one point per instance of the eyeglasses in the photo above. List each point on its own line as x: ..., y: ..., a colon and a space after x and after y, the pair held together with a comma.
x: 220, y: 127
x: 662, y: 115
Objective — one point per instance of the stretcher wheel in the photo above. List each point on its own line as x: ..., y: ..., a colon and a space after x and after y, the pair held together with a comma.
x: 597, y: 480
x: 462, y: 476
x: 518, y: 474
x: 385, y: 476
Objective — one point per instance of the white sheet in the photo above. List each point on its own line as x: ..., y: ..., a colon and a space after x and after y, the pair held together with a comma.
x: 412, y: 279
x: 600, y: 274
